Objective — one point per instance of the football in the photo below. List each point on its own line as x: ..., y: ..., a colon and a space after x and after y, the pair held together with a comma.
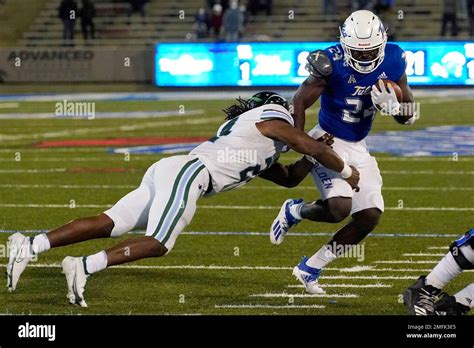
x: 396, y: 88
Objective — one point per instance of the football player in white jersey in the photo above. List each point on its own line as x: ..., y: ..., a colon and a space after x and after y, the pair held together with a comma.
x: 247, y: 145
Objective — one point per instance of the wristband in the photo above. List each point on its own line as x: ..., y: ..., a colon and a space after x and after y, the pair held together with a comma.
x: 311, y: 159
x: 346, y: 172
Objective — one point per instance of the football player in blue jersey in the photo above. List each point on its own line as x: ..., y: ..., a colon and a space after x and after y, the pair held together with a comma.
x: 344, y: 76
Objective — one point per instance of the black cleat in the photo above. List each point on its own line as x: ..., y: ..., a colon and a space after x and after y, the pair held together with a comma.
x: 447, y: 305
x: 420, y: 298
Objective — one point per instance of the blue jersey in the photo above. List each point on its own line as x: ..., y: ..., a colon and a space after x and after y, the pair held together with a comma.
x: 347, y: 110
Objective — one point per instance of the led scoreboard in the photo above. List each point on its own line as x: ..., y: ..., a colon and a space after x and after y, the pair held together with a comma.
x: 283, y: 63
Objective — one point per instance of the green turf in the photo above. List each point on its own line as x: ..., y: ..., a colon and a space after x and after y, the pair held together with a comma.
x: 159, y: 290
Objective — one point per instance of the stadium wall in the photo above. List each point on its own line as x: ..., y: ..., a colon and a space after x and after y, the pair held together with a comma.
x: 76, y: 65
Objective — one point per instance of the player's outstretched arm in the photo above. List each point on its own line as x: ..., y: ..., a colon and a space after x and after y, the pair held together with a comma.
x: 408, y: 108
x: 304, y: 144
x: 306, y: 95
x: 288, y: 175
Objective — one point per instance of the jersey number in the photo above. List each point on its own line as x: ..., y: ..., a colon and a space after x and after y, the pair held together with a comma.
x: 225, y: 130
x: 354, y: 115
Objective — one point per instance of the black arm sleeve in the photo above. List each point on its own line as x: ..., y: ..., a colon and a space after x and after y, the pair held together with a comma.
x: 319, y: 64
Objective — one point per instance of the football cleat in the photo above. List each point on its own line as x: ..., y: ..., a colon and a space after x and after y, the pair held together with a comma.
x: 447, y: 305
x: 76, y: 277
x: 283, y: 222
x: 308, y: 276
x: 420, y: 298
x: 21, y: 253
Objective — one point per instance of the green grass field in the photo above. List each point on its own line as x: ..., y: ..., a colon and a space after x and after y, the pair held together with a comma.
x: 215, y: 273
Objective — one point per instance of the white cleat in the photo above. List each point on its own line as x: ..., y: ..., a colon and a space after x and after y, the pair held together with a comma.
x: 21, y: 253
x: 283, y: 222
x: 308, y: 276
x: 76, y: 277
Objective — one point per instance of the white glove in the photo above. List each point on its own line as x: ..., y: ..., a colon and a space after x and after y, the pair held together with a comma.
x: 385, y: 99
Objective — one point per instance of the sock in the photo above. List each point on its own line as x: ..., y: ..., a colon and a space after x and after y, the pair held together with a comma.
x: 468, y: 253
x: 445, y: 271
x: 97, y: 262
x: 40, y: 243
x: 466, y: 296
x: 295, y: 210
x: 322, y: 257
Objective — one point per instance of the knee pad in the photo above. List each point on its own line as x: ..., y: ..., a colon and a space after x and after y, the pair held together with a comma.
x: 459, y: 248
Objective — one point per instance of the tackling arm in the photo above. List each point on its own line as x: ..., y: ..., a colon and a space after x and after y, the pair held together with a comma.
x: 288, y: 175
x: 407, y: 114
x: 304, y: 144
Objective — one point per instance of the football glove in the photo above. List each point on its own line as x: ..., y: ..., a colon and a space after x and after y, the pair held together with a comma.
x: 385, y: 99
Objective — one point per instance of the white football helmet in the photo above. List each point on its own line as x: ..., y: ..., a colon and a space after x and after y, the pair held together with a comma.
x: 363, y: 39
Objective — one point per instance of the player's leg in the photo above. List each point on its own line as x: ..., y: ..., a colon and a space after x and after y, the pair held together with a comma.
x: 334, y: 206
x: 128, y: 213
x: 367, y: 208
x: 178, y: 186
x: 422, y: 295
x: 459, y: 304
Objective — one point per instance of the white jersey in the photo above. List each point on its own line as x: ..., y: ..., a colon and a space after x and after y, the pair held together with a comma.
x: 239, y: 152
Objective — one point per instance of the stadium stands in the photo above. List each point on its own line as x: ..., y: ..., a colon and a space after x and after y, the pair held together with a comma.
x: 163, y: 23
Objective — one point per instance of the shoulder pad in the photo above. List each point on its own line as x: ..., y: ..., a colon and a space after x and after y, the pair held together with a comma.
x: 319, y: 64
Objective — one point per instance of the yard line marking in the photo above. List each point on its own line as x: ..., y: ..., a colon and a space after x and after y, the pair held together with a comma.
x: 386, y: 188
x: 234, y: 207
x: 16, y: 171
x: 423, y: 254
x: 239, y: 268
x: 267, y: 207
x: 406, y: 261
x: 77, y: 159
x: 9, y: 105
x: 250, y: 306
x: 238, y: 207
x: 362, y: 286
x: 275, y: 187
x: 101, y: 115
x: 374, y: 277
x: 297, y: 234
x: 438, y: 248
x: 22, y: 186
x: 427, y: 172
x: 284, y: 294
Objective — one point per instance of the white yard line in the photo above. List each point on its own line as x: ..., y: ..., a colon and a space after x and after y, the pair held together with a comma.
x: 407, y: 261
x: 32, y: 171
x: 438, y: 248
x: 262, y: 306
x: 255, y: 268
x: 275, y: 187
x: 423, y: 254
x: 373, y: 277
x: 286, y: 295
x: 224, y: 207
x: 9, y: 105
x: 362, y: 286
x: 293, y: 234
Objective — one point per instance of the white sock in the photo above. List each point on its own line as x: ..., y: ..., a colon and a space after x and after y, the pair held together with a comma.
x: 468, y: 253
x: 466, y: 296
x: 96, y: 262
x: 445, y: 271
x: 295, y: 210
x: 40, y: 243
x: 322, y: 257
